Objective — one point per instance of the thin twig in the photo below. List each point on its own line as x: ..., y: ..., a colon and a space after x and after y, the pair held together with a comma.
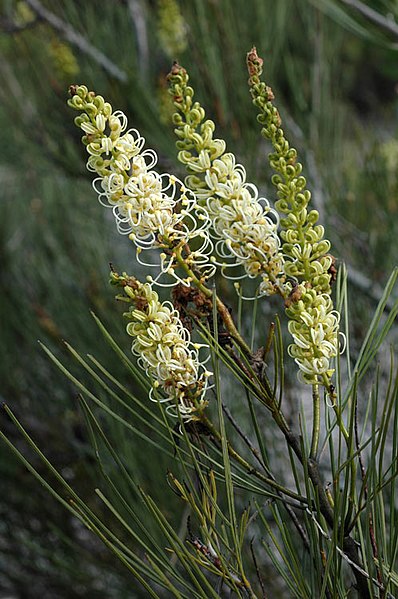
x: 316, y: 421
x: 245, y: 438
x: 365, y: 493
x: 216, y: 439
x: 374, y: 16
x: 255, y: 452
x: 77, y: 40
x: 260, y: 578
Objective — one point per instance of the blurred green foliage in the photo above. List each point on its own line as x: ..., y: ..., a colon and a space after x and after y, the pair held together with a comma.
x: 335, y: 77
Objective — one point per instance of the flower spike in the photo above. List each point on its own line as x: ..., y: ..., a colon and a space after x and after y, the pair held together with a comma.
x: 313, y: 321
x: 155, y: 211
x: 244, y: 225
x: 164, y: 349
x: 304, y: 244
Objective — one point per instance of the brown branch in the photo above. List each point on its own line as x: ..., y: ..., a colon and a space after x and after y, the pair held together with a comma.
x: 245, y: 438
x: 260, y: 578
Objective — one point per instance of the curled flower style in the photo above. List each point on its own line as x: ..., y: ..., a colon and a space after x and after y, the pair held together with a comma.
x: 156, y: 211
x: 244, y: 225
x: 165, y: 350
x: 314, y: 327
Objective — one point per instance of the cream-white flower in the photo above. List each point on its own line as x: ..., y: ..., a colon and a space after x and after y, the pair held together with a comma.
x: 165, y: 350
x: 244, y: 225
x: 314, y: 327
x: 156, y: 211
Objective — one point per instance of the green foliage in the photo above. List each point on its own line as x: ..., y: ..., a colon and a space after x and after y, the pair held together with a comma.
x: 212, y: 478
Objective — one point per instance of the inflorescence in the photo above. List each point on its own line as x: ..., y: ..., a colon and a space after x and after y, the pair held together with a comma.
x: 215, y: 201
x: 243, y: 225
x: 164, y: 349
x: 156, y: 211
x: 313, y: 320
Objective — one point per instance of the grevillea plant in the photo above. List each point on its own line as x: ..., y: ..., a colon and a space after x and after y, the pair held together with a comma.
x: 269, y: 504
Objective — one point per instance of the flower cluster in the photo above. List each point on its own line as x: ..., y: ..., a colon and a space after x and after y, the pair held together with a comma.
x: 160, y: 211
x: 154, y: 210
x: 164, y: 349
x: 244, y: 226
x: 314, y: 323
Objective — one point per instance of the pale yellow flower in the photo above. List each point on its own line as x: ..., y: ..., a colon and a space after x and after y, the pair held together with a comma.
x: 165, y: 350
x: 156, y: 211
x: 314, y: 327
x: 172, y: 28
x: 244, y: 225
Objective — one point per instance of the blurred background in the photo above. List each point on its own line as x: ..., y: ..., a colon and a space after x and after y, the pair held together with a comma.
x: 333, y: 66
